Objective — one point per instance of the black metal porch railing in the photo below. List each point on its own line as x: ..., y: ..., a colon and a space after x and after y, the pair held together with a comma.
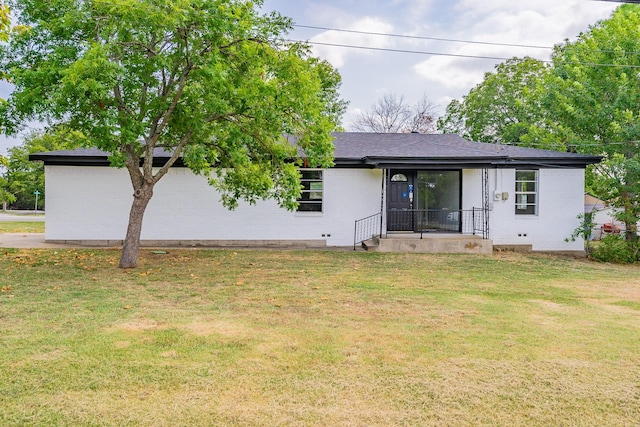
x: 481, y: 222
x: 367, y: 228
x: 471, y: 221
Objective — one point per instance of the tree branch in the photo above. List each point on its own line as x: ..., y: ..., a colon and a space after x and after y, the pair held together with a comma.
x: 122, y: 106
x: 142, y: 106
x: 177, y: 152
x: 132, y: 164
x: 144, y: 46
x: 164, y: 120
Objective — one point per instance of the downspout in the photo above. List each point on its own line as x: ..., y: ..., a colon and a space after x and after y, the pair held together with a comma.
x: 384, y: 180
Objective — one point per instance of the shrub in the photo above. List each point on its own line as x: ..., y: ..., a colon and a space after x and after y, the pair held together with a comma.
x: 614, y: 248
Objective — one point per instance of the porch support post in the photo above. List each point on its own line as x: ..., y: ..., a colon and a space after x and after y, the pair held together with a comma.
x: 384, y: 180
x: 485, y: 194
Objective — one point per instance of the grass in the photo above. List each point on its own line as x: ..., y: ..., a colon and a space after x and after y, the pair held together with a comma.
x: 21, y: 227
x: 306, y: 338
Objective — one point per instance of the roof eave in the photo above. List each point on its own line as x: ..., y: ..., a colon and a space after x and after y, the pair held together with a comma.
x: 93, y: 160
x: 406, y: 163
x: 553, y: 161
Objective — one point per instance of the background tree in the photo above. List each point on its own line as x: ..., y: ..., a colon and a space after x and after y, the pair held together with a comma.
x: 5, y: 196
x: 586, y: 101
x: 595, y: 92
x: 24, y: 177
x: 505, y: 108
x: 392, y: 115
x: 211, y: 81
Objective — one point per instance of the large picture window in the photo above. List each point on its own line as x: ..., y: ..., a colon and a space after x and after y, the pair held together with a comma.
x: 312, y: 191
x: 526, y: 192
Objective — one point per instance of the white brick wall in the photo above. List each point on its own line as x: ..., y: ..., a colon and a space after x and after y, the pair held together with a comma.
x: 92, y: 203
x: 560, y: 200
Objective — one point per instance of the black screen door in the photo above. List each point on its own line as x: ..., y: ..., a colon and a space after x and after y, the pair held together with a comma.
x: 439, y: 199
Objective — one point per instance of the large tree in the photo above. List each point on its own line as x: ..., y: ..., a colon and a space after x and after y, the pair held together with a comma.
x: 505, y: 108
x: 587, y: 100
x: 391, y: 114
x: 211, y: 81
x: 595, y: 92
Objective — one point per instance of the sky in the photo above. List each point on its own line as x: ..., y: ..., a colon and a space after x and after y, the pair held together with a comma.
x: 367, y: 75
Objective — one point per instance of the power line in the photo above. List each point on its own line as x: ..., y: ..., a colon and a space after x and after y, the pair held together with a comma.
x: 403, y: 36
x: 370, y: 33
x: 416, y: 52
x: 422, y: 52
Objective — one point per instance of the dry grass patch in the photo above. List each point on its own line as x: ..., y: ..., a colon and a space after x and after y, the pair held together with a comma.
x: 208, y: 337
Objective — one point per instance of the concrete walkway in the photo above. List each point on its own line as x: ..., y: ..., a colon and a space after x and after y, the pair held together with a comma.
x: 27, y: 241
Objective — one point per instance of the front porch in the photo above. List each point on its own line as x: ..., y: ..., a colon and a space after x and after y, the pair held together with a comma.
x: 429, y: 243
x: 433, y: 232
x: 426, y: 210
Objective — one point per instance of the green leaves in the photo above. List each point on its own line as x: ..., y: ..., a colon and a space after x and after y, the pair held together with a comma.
x: 587, y: 101
x: 211, y: 79
x: 595, y: 93
x: 504, y: 108
x: 598, y: 82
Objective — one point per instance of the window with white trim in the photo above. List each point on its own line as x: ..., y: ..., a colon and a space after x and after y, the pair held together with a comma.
x: 526, y: 192
x: 312, y: 191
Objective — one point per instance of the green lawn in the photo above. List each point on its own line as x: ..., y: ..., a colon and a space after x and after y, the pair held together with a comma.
x: 316, y: 338
x: 21, y: 227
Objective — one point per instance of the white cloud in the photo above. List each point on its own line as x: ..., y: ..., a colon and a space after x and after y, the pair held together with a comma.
x: 529, y: 21
x: 338, y: 55
x: 454, y: 73
x: 525, y: 22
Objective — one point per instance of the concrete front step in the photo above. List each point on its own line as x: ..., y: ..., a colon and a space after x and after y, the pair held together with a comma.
x: 440, y: 244
x: 371, y: 244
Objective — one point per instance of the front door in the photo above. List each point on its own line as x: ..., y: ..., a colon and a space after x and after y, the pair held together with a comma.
x: 400, y: 202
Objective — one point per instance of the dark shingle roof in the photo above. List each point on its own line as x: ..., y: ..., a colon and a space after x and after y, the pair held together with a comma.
x: 400, y: 150
x: 410, y: 150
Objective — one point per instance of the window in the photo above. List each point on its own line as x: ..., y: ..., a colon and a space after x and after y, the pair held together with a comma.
x: 526, y: 192
x: 312, y: 187
x: 399, y: 177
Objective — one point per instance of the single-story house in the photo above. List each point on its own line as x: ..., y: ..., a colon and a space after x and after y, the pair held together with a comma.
x: 383, y: 186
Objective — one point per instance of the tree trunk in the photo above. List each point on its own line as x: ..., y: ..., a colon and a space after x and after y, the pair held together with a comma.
x: 631, y: 231
x: 131, y: 247
x: 630, y: 226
